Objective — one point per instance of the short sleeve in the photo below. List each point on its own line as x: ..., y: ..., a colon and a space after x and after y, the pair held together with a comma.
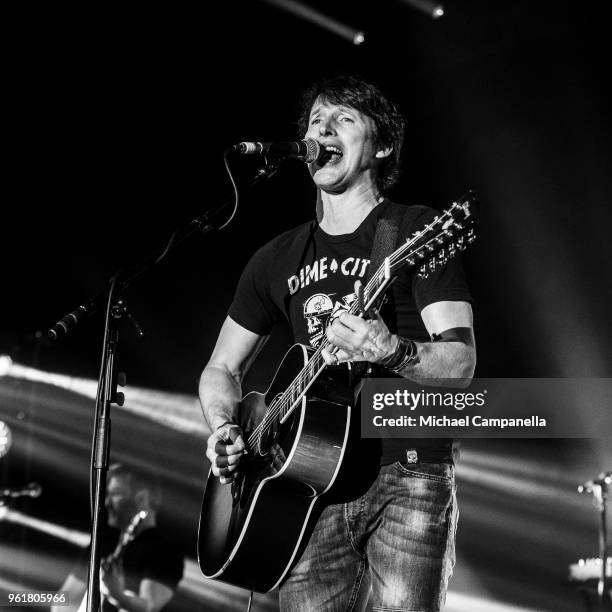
x: 445, y: 283
x: 253, y: 306
x: 156, y: 558
x: 166, y: 567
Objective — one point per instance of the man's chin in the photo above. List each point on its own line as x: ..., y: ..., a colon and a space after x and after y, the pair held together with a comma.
x: 328, y: 181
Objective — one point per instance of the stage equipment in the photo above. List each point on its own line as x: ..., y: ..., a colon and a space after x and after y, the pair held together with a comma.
x: 110, y: 299
x: 598, y: 487
x: 307, y: 150
x: 31, y: 490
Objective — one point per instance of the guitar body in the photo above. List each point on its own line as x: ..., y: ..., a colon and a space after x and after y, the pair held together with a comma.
x: 276, y: 502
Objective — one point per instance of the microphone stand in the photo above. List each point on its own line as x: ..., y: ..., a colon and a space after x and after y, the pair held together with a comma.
x: 110, y: 378
x: 599, y: 489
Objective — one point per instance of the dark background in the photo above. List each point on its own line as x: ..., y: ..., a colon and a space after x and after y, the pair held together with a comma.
x: 115, y: 121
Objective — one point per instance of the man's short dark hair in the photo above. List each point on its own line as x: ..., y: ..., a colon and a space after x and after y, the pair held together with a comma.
x: 138, y: 480
x: 369, y: 100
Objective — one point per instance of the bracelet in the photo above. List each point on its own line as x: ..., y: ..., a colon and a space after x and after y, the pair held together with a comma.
x: 405, y: 352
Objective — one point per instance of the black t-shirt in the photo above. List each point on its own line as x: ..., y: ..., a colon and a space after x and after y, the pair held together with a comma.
x: 307, y: 277
x: 150, y: 555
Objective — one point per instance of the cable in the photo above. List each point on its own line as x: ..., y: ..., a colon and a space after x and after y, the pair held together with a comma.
x: 229, y: 172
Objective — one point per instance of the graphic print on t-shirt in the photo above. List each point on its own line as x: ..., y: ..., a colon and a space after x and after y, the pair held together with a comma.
x: 320, y: 310
x: 323, y: 268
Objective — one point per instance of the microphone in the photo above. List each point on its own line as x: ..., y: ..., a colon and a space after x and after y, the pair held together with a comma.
x: 32, y: 490
x: 72, y: 319
x: 307, y: 150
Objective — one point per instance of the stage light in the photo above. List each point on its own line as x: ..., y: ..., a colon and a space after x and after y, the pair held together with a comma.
x: 433, y: 9
x: 5, y: 364
x: 357, y: 37
x: 177, y: 411
x: 6, y: 439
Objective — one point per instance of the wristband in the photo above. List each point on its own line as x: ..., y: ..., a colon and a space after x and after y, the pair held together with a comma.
x: 405, y: 352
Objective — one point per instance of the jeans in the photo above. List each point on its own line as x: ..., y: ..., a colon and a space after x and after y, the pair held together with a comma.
x: 393, y: 547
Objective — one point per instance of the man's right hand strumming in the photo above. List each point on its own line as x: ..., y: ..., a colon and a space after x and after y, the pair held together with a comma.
x: 220, y: 394
x: 224, y: 450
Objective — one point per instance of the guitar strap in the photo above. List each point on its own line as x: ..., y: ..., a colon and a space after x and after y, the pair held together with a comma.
x: 391, y: 226
x: 391, y: 220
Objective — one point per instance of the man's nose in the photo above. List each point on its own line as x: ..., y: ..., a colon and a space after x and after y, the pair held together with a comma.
x: 326, y: 127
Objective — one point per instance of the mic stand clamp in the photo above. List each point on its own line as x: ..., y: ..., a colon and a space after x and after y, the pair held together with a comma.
x: 120, y: 310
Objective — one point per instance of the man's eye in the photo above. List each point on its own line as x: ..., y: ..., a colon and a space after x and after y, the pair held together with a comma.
x: 346, y: 118
x: 315, y: 120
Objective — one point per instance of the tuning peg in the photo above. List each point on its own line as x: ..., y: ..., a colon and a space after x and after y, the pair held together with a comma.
x: 423, y: 272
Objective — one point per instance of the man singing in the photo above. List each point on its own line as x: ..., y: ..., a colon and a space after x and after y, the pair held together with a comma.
x: 394, y: 543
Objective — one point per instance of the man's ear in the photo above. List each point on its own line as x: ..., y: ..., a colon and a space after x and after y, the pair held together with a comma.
x: 382, y: 153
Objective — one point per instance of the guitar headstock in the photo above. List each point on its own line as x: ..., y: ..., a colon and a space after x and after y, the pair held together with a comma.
x: 449, y: 233
x: 130, y: 530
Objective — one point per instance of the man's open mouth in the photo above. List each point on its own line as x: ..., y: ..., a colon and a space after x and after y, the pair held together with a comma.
x: 330, y: 155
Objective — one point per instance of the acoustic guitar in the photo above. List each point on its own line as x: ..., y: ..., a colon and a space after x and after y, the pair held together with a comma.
x: 297, y: 435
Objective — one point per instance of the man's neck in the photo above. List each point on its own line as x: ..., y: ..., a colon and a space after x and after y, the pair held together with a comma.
x: 343, y: 213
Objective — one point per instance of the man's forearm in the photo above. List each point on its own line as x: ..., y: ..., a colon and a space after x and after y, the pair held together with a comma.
x: 220, y: 393
x: 441, y: 360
